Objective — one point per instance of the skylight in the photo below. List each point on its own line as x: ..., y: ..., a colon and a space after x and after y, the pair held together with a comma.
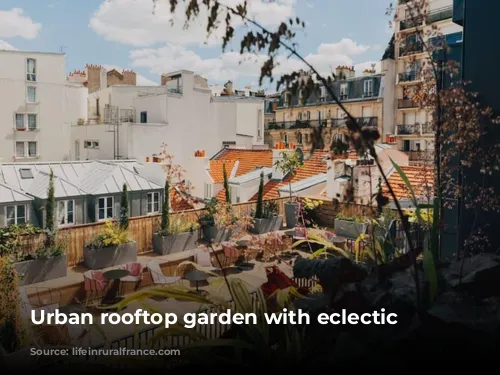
x: 26, y: 173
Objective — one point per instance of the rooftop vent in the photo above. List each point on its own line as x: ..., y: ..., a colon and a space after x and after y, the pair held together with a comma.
x: 26, y: 173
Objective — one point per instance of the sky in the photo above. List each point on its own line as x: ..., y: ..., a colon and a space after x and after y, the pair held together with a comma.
x: 132, y: 34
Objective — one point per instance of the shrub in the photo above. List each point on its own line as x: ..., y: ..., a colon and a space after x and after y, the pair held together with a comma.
x: 112, y: 235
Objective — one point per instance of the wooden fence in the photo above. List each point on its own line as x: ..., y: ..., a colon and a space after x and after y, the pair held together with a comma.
x: 141, y: 230
x: 329, y: 209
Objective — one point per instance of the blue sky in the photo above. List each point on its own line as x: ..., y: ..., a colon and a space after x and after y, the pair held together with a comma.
x: 126, y: 34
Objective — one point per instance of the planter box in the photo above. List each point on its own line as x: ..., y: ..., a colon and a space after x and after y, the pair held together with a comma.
x: 261, y: 226
x: 174, y: 243
x: 218, y: 235
x: 110, y: 256
x: 39, y: 270
x: 349, y: 229
x: 291, y: 214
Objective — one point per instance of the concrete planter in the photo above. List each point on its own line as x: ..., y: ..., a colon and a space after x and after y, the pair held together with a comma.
x: 174, y: 243
x: 39, y: 270
x: 291, y: 214
x: 273, y: 224
x: 110, y: 256
x: 217, y: 234
x: 349, y: 229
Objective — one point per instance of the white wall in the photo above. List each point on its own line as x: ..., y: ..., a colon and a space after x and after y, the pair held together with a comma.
x: 57, y: 105
x: 389, y: 95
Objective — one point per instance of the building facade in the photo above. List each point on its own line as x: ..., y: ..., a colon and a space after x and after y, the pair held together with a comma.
x: 412, y: 132
x: 295, y: 118
x: 37, y: 106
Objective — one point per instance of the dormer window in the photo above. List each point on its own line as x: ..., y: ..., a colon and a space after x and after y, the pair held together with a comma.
x: 287, y: 99
x: 343, y: 91
x: 368, y: 88
x: 322, y: 95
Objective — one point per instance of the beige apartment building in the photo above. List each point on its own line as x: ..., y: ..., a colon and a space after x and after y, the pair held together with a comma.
x: 295, y: 118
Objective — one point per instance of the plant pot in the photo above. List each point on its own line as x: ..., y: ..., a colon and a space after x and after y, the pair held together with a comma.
x: 110, y: 256
x: 261, y: 226
x: 217, y: 234
x: 349, y: 229
x: 291, y: 214
x: 174, y: 243
x: 39, y: 270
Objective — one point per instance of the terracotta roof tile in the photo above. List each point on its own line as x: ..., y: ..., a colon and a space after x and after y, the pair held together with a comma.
x: 217, y: 169
x: 419, y: 177
x: 311, y: 167
x: 178, y: 202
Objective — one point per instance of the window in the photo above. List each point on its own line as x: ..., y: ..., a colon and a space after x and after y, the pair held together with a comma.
x: 32, y: 121
x: 25, y: 173
x: 299, y: 138
x: 285, y: 138
x: 259, y: 123
x: 66, y: 212
x: 144, y: 117
x: 105, y: 208
x: 153, y: 203
x: 31, y: 94
x: 32, y: 150
x: 90, y: 144
x: 343, y: 91
x: 20, y: 121
x: 368, y: 88
x: 16, y: 215
x: 208, y: 190
x: 308, y: 114
x: 20, y: 150
x: 31, y: 70
x: 322, y: 97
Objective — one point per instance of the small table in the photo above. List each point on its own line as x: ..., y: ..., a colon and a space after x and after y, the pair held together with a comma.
x: 197, y: 276
x: 114, y: 276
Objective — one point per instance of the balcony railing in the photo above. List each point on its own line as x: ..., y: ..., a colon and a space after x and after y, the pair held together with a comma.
x: 440, y: 14
x: 368, y: 121
x: 423, y: 156
x: 337, y: 122
x: 411, y: 23
x: 407, y: 103
x: 298, y: 124
x: 408, y: 76
x: 408, y: 129
x: 411, y: 48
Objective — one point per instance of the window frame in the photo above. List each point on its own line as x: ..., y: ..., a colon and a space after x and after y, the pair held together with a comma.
x: 28, y: 87
x: 66, y: 204
x: 16, y: 217
x: 106, y: 208
x: 152, y: 195
x: 368, y: 83
x: 27, y: 149
x: 29, y: 74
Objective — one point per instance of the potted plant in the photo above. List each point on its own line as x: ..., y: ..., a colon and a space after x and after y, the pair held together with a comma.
x: 112, y: 246
x: 350, y: 226
x: 49, y: 261
x: 309, y: 210
x: 288, y: 165
x: 217, y: 221
x: 266, y: 218
x: 175, y: 235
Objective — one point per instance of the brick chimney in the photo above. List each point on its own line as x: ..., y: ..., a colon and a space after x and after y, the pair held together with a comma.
x: 129, y: 77
x: 164, y: 79
x: 96, y: 74
x: 229, y: 88
x: 277, y: 156
x: 344, y: 72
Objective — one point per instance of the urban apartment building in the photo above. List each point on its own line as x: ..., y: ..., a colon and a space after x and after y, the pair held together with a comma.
x: 37, y: 107
x: 182, y: 113
x: 412, y: 132
x: 295, y: 117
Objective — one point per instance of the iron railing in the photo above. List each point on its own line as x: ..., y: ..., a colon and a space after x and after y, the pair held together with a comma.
x: 411, y: 48
x: 408, y: 129
x: 440, y: 14
x: 420, y: 155
x: 408, y: 76
x: 407, y: 103
x: 411, y: 23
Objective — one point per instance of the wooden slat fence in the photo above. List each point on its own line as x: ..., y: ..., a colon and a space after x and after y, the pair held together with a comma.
x: 141, y: 230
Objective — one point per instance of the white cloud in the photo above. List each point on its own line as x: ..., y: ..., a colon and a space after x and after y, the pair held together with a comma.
x: 133, y: 21
x: 13, y: 23
x: 232, y: 65
x: 140, y: 79
x: 6, y: 46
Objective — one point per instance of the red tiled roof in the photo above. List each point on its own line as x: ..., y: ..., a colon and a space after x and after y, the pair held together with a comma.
x: 419, y: 177
x: 178, y: 202
x: 311, y: 167
x: 217, y: 169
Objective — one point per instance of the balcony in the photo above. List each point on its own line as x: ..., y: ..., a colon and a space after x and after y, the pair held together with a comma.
x: 411, y: 48
x: 411, y: 23
x: 420, y: 156
x: 440, y: 14
x: 407, y: 103
x: 298, y: 124
x: 368, y: 121
x: 413, y: 129
x: 337, y: 123
x: 408, y: 77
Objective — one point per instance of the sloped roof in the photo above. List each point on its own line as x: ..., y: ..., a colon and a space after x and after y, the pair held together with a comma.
x: 8, y: 194
x: 250, y: 176
x: 248, y: 159
x: 62, y: 188
x: 217, y: 169
x: 421, y: 179
x: 306, y: 183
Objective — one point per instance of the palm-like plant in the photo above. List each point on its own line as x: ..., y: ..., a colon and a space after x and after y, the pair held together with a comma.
x: 326, y: 249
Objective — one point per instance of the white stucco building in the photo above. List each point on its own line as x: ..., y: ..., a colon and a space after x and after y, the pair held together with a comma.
x: 181, y: 113
x: 37, y: 106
